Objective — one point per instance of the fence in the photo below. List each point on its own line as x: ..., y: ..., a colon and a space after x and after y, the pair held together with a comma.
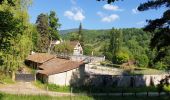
x: 25, y: 77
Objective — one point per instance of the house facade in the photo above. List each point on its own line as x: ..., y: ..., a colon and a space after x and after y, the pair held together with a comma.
x: 57, y: 71
x: 78, y: 50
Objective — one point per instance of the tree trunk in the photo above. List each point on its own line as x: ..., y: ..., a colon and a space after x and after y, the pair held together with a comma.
x: 13, y: 75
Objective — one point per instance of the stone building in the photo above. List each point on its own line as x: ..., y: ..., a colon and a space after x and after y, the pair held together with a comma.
x: 53, y: 70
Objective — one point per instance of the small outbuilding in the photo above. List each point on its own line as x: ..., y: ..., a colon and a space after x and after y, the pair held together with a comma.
x: 61, y: 71
x: 36, y: 59
x: 53, y: 70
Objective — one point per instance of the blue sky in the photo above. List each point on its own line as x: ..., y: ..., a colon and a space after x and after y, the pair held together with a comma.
x: 93, y: 14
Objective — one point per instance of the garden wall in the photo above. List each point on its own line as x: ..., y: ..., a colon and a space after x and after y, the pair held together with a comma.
x: 124, y: 81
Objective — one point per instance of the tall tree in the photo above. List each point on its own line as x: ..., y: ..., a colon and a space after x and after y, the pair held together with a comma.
x: 80, y: 35
x: 115, y: 41
x: 54, y: 25
x: 43, y: 29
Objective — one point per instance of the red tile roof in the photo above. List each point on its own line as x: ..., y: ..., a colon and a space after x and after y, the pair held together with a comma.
x: 57, y: 65
x: 40, y: 57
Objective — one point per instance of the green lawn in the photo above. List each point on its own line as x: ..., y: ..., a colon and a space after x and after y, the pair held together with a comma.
x: 43, y: 97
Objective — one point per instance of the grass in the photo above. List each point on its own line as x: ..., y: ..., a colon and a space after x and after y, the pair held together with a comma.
x: 52, y: 87
x: 4, y: 96
x: 5, y: 79
x: 83, y: 89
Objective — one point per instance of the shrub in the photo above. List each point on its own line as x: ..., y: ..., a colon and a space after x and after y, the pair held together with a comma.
x: 142, y: 61
x: 166, y: 88
x: 121, y: 57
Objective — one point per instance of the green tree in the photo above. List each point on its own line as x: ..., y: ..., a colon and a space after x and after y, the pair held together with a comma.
x: 115, y: 43
x: 43, y: 29
x: 80, y: 35
x: 15, y: 35
x: 159, y: 26
x: 64, y: 48
x: 53, y: 26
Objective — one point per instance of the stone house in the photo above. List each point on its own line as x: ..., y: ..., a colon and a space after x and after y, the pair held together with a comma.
x: 53, y: 70
x: 78, y: 50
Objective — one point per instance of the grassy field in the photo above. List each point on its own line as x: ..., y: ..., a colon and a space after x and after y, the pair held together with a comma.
x: 43, y: 97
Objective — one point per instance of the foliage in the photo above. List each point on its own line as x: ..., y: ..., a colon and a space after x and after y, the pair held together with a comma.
x: 160, y: 65
x: 64, y: 47
x: 142, y: 61
x: 14, y: 35
x: 166, y: 88
x: 87, y: 50
x: 43, y: 29
x: 4, y: 96
x: 53, y: 26
x: 159, y: 27
x: 121, y: 57
x: 74, y: 36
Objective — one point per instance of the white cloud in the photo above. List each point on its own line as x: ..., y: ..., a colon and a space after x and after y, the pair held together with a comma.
x: 135, y: 11
x: 73, y: 1
x: 112, y: 7
x: 140, y: 23
x: 75, y: 14
x: 110, y: 18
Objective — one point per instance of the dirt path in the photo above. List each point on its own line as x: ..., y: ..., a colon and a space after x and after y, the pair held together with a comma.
x: 29, y: 89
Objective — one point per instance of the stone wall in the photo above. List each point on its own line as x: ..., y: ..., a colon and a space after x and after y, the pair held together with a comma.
x: 124, y: 81
x: 87, y: 58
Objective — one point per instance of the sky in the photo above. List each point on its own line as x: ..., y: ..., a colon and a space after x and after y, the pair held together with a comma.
x: 93, y: 14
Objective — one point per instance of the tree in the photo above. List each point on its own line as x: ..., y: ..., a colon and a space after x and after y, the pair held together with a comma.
x: 115, y: 43
x: 64, y: 48
x: 108, y: 1
x: 159, y: 27
x: 80, y: 36
x: 53, y: 26
x: 14, y: 35
x: 43, y: 29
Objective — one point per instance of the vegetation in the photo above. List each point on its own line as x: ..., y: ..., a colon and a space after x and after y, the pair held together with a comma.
x: 133, y: 45
x: 14, y: 35
x: 18, y: 37
x: 52, y: 87
x: 4, y: 96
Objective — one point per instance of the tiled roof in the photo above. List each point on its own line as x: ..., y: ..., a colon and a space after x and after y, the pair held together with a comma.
x: 57, y: 65
x: 40, y: 57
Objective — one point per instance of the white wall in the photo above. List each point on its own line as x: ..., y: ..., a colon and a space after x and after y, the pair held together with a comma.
x: 62, y: 79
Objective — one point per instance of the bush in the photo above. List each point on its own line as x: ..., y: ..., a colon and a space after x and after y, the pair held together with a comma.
x: 160, y: 65
x: 166, y: 88
x: 142, y: 61
x: 88, y: 50
x: 121, y: 57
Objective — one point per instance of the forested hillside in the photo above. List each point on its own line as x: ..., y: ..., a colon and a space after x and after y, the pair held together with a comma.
x: 134, y: 46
